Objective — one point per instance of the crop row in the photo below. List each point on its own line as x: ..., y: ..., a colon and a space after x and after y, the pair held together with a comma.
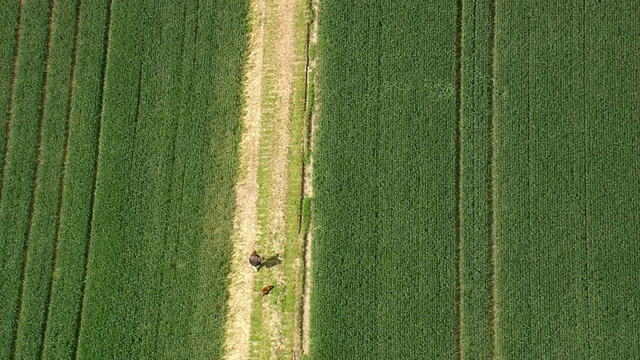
x: 497, y: 143
x: 128, y: 246
x: 384, y: 276
x: 567, y: 191
x: 44, y: 226
x: 22, y: 129
x: 476, y: 180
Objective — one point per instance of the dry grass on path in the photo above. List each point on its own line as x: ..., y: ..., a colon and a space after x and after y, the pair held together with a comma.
x: 266, y: 187
x: 245, y: 224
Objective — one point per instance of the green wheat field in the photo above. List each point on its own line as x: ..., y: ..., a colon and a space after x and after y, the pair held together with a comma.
x: 476, y: 178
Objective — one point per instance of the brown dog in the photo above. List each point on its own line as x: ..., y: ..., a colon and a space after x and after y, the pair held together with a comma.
x: 266, y: 290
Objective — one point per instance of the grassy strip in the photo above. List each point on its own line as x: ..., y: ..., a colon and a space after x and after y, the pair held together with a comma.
x: 384, y: 204
x: 60, y: 335
x: 9, y: 11
x: 20, y: 166
x: 475, y: 182
x: 294, y: 246
x: 43, y: 228
x: 262, y: 336
x: 566, y: 192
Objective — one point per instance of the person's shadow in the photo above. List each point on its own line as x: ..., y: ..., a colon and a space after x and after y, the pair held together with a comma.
x: 272, y: 261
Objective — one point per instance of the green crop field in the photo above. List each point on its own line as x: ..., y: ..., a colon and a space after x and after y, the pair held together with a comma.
x: 567, y: 179
x: 118, y: 139
x: 477, y: 180
x: 384, y: 277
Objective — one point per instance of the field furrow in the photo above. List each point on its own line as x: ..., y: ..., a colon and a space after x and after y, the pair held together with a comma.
x: 63, y: 165
x: 476, y: 180
x: 33, y: 263
x: 11, y: 41
x: 306, y: 224
x: 22, y: 140
x: 83, y: 111
x: 96, y: 157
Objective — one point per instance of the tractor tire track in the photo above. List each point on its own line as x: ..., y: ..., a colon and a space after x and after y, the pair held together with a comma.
x: 492, y: 250
x: 278, y: 169
x: 62, y: 177
x: 458, y: 71
x: 34, y: 184
x: 11, y: 99
x: 95, y: 179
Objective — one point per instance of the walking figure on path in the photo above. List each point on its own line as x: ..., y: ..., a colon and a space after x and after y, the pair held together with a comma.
x: 255, y: 260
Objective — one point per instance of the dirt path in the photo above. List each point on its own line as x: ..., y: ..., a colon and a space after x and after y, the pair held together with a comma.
x: 263, y: 185
x: 278, y: 169
x: 245, y: 224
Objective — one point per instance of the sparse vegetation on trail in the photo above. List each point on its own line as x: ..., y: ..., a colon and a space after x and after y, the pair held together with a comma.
x: 269, y: 190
